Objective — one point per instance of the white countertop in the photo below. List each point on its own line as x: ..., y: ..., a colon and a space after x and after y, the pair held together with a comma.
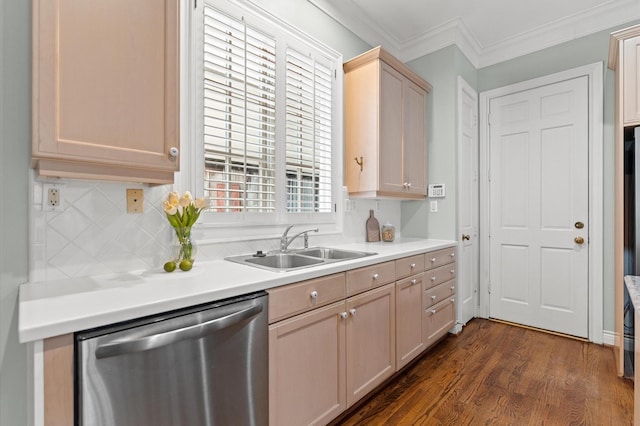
x: 53, y: 308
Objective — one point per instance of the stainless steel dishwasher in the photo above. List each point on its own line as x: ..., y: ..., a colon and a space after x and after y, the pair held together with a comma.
x: 202, y: 366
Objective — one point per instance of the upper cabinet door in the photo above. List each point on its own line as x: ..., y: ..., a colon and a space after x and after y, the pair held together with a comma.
x: 631, y: 93
x: 385, y: 128
x: 106, y: 89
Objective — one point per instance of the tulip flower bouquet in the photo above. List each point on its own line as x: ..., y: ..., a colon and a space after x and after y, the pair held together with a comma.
x: 182, y: 212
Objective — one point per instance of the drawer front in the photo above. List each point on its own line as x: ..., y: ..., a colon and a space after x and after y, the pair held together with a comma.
x: 437, y: 294
x: 439, y: 275
x: 439, y: 319
x: 362, y: 279
x: 441, y: 257
x: 296, y: 298
x: 409, y: 266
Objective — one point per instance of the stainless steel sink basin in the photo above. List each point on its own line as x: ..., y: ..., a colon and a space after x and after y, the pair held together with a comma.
x: 293, y: 260
x: 333, y: 254
x: 284, y: 261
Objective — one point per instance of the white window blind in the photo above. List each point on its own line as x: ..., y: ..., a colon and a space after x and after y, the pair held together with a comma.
x: 308, y: 134
x: 268, y: 106
x: 239, y: 115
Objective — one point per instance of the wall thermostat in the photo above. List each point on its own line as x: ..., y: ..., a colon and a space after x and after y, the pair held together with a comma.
x: 436, y: 190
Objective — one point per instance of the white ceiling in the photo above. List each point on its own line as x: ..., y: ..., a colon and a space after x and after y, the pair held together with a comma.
x: 487, y: 31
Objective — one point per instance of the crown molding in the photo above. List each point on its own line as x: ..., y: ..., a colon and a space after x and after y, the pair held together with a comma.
x: 599, y: 18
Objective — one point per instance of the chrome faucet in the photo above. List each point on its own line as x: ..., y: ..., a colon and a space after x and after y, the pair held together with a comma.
x: 284, y: 241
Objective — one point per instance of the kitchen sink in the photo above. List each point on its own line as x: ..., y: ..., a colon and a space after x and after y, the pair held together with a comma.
x: 333, y: 254
x: 293, y: 260
x: 284, y: 261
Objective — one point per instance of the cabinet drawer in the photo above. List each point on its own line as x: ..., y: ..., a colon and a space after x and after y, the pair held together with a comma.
x: 437, y: 294
x: 363, y: 279
x: 409, y: 266
x: 439, y: 319
x: 293, y: 299
x: 441, y: 257
x: 439, y: 275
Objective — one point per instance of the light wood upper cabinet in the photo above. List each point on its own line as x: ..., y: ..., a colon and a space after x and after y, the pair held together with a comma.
x: 106, y: 89
x: 385, y: 128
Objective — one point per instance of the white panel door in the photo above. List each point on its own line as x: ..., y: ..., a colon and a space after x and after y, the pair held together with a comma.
x: 468, y: 193
x: 539, y: 223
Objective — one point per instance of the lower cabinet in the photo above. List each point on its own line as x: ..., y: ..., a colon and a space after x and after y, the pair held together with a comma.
x: 410, y: 331
x: 371, y: 341
x: 334, y: 339
x: 307, y: 367
x: 323, y: 361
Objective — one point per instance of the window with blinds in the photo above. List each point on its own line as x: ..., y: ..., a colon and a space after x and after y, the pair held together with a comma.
x: 239, y: 115
x: 267, y: 135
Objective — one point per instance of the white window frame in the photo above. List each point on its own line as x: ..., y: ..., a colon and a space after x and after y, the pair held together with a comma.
x: 245, y: 226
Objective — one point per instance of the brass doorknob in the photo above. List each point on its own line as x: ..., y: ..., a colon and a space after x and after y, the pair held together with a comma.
x: 579, y: 240
x: 466, y: 237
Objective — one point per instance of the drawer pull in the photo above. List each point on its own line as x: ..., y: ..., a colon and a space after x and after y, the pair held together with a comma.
x: 433, y: 312
x: 376, y: 276
x: 413, y: 265
x: 414, y: 281
x: 433, y: 259
x: 352, y: 311
x: 314, y: 294
x: 433, y: 278
x: 344, y: 315
x: 453, y: 255
x: 433, y: 298
x: 453, y: 287
x: 453, y: 300
x: 453, y: 271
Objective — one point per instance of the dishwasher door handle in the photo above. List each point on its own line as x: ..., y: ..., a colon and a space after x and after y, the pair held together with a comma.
x: 124, y: 346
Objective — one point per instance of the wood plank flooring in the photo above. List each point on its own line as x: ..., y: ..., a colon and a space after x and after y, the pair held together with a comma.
x: 499, y: 374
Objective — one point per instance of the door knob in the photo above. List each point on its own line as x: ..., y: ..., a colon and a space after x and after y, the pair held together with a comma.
x: 579, y: 240
x: 466, y: 237
x: 579, y: 225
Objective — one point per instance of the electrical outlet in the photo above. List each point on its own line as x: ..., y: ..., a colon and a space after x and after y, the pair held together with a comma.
x: 135, y: 200
x: 51, y: 197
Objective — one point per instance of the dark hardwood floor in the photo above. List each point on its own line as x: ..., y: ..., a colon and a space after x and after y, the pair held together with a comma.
x: 499, y: 374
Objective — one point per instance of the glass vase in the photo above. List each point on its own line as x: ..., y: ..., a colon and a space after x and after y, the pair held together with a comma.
x: 185, y: 247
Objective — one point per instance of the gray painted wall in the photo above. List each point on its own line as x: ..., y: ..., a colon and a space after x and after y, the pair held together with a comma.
x: 441, y: 70
x: 15, y: 144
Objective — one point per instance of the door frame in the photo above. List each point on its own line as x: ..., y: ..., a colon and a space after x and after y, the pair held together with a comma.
x: 594, y: 72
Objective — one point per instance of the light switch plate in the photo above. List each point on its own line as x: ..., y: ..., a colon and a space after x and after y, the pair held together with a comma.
x: 434, y: 206
x: 135, y: 200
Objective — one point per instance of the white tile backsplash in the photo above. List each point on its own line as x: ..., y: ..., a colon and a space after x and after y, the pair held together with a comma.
x: 92, y: 233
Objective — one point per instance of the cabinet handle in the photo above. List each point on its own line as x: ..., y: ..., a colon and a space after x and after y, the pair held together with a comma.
x: 352, y: 311
x: 344, y: 315
x: 408, y: 185
x: 453, y: 300
x: 413, y: 265
x: 173, y: 152
x: 433, y: 298
x: 414, y: 281
x: 376, y: 276
x: 433, y: 259
x: 433, y: 312
x: 314, y: 294
x: 453, y: 271
x: 433, y: 278
x: 453, y: 255
x: 453, y: 287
